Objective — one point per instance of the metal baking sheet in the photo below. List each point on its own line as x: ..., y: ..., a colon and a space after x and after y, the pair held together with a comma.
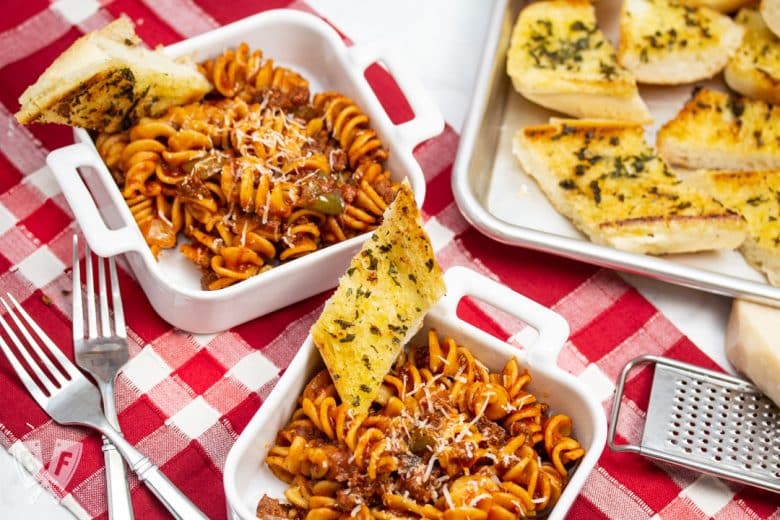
x: 503, y: 202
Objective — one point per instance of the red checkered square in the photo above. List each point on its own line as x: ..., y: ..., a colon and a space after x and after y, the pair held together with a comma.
x: 21, y: 12
x: 754, y: 502
x: 140, y: 316
x: 148, y: 25
x: 538, y: 276
x: 601, y: 336
x: 162, y: 444
x: 634, y: 472
x: 239, y: 416
x: 227, y: 12
x: 9, y: 175
x: 140, y: 418
x: 193, y: 472
x: 200, y: 372
x: 585, y: 509
x: 46, y: 222
x: 682, y: 508
x: 389, y: 95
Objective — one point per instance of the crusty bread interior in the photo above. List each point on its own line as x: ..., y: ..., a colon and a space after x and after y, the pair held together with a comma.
x: 666, y: 43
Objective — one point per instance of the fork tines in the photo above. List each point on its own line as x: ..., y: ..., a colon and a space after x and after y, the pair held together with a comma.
x: 116, y: 299
x: 49, y: 377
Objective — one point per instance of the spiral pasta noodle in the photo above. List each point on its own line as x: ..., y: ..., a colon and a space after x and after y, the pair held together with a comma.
x: 256, y: 174
x: 445, y: 439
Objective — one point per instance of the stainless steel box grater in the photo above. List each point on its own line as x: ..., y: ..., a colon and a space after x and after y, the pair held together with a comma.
x: 706, y: 421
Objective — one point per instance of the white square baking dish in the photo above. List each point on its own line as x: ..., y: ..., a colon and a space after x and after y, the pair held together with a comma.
x: 309, y: 45
x: 247, y: 477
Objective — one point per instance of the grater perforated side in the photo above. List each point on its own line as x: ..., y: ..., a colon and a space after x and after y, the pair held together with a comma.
x: 707, y: 421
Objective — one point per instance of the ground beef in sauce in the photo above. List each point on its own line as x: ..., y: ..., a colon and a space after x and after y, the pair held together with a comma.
x: 270, y: 509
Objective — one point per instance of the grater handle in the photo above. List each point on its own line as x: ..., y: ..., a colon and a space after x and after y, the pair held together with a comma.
x: 553, y: 329
x: 632, y: 448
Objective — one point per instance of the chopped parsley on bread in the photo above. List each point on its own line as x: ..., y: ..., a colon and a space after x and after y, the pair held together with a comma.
x: 755, y: 70
x: 604, y: 177
x: 755, y: 196
x: 106, y: 80
x: 667, y: 43
x: 558, y: 58
x: 721, y: 131
x: 379, y: 304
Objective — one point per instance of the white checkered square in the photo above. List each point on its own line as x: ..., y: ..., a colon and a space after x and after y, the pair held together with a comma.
x: 597, y: 382
x: 254, y: 370
x: 76, y: 11
x: 146, y: 370
x: 709, y: 494
x: 7, y: 219
x: 204, y: 339
x: 41, y: 267
x: 43, y: 179
x: 195, y: 418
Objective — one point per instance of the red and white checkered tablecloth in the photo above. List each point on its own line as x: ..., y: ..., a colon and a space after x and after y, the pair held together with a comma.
x: 183, y: 399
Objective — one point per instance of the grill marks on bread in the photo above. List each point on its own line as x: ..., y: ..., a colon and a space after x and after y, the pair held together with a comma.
x: 605, y: 178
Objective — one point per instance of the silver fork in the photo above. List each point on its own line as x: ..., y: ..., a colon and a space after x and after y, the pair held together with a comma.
x: 102, y: 354
x: 70, y: 398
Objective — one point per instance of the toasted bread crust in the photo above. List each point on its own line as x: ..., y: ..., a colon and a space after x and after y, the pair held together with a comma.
x: 754, y: 195
x: 106, y: 80
x: 755, y: 69
x: 770, y: 12
x: 723, y: 6
x: 664, y: 42
x: 558, y: 58
x: 715, y: 130
x: 604, y: 177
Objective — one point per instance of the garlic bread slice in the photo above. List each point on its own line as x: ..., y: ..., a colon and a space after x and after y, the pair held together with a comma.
x: 755, y: 70
x: 720, y: 131
x: 106, y: 80
x: 664, y: 42
x: 756, y: 196
x: 604, y: 177
x: 379, y: 304
x: 558, y: 58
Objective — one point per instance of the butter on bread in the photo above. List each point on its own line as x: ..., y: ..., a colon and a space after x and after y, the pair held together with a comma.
x: 664, y: 42
x: 770, y: 12
x: 755, y: 70
x: 754, y: 195
x: 106, y: 80
x: 558, y: 58
x: 752, y: 346
x: 379, y: 304
x: 719, y: 131
x: 604, y: 177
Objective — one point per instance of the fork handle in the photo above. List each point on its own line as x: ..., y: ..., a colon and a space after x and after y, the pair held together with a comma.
x: 120, y: 505
x: 171, y: 497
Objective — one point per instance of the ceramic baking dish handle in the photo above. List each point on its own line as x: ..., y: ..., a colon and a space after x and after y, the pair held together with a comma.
x: 428, y: 121
x: 103, y: 240
x: 553, y: 329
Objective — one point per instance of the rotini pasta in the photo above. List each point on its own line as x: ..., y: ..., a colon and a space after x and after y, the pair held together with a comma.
x: 445, y: 439
x: 256, y: 174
